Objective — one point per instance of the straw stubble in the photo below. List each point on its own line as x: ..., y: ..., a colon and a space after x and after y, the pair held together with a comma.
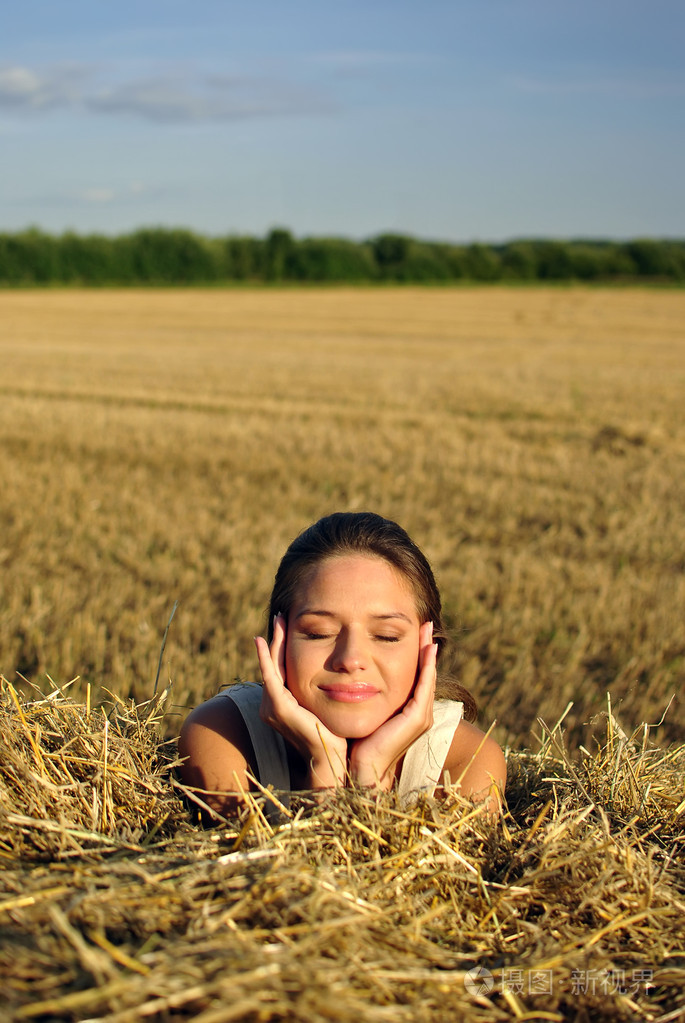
x: 356, y: 908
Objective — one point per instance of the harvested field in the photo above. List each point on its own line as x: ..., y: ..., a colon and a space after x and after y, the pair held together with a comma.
x: 114, y: 907
x: 162, y: 446
x: 165, y: 446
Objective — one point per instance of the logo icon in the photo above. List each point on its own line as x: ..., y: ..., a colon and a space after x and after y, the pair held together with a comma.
x: 479, y: 981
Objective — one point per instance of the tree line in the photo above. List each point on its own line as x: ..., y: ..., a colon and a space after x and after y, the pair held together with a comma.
x: 161, y: 256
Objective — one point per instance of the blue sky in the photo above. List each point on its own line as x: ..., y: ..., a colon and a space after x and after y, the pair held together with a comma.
x: 461, y: 120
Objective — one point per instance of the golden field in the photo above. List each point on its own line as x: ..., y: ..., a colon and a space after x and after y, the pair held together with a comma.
x: 162, y: 446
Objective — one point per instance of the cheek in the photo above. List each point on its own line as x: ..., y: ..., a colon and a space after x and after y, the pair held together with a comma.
x: 405, y: 668
x: 412, y: 655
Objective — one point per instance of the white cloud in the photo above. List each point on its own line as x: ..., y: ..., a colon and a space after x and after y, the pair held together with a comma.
x: 23, y: 89
x: 19, y: 85
x: 163, y: 98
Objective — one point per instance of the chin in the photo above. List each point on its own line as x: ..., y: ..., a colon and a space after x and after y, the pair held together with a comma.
x: 351, y: 729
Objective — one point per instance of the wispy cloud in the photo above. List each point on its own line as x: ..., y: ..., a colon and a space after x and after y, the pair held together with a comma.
x: 176, y: 99
x: 23, y: 89
x: 166, y: 98
x: 99, y: 195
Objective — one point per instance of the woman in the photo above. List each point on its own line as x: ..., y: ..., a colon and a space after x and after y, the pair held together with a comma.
x: 351, y: 693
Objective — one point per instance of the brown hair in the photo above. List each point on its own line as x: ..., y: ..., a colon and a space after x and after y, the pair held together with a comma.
x: 367, y: 533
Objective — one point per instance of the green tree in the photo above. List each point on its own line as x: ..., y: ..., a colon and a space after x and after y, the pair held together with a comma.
x: 86, y: 260
x: 554, y: 261
x: 482, y: 263
x: 176, y: 256
x: 243, y: 258
x: 519, y: 261
x: 454, y: 259
x: 332, y: 259
x: 658, y: 259
x: 28, y: 257
x: 390, y: 253
x: 278, y: 254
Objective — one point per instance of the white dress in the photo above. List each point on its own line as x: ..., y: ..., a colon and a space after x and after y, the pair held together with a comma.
x: 421, y: 768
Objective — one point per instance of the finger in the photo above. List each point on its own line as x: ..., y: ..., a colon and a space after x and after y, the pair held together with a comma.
x: 425, y: 639
x: 272, y: 707
x: 278, y: 645
x: 428, y: 666
x: 424, y: 690
x: 266, y: 664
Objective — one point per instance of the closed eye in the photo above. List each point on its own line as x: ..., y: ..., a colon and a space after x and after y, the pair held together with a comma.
x: 327, y: 635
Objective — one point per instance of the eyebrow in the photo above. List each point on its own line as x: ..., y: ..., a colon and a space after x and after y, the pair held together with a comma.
x: 321, y: 613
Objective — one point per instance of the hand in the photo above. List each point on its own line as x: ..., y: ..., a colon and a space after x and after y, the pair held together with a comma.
x: 373, y: 760
x: 324, y: 752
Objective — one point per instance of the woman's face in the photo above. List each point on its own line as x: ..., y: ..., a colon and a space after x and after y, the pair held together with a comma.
x: 352, y: 643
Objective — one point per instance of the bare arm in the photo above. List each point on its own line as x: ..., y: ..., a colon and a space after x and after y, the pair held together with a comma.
x: 218, y: 751
x: 477, y: 764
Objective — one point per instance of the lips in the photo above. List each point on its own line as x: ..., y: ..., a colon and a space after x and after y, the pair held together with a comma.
x: 346, y: 693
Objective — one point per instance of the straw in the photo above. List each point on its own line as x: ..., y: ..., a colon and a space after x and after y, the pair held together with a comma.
x: 116, y: 907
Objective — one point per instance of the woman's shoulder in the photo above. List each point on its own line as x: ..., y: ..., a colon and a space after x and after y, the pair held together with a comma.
x: 217, y: 754
x: 476, y: 761
x: 220, y: 720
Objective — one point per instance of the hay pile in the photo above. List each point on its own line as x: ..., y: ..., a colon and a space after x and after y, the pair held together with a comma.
x: 115, y: 906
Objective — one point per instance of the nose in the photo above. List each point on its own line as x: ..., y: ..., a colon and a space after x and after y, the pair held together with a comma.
x: 349, y: 653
